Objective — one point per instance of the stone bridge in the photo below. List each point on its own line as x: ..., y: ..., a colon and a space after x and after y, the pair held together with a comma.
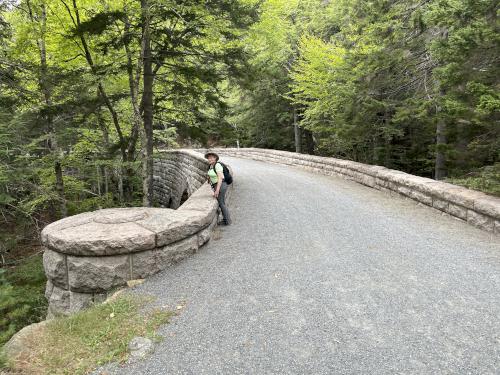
x: 331, y: 266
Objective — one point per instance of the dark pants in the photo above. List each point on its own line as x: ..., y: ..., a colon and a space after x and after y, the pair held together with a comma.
x: 222, y: 201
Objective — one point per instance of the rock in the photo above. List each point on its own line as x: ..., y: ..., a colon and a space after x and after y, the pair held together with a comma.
x: 114, y: 296
x: 58, y: 302
x: 175, y: 252
x: 100, y: 297
x: 480, y: 220
x: 144, y: 264
x: 488, y: 205
x: 102, y: 232
x: 176, y: 225
x: 79, y: 301
x: 17, y: 343
x: 139, y: 347
x: 98, y: 274
x: 54, y: 265
x: 135, y: 282
x: 48, y: 289
x: 456, y: 210
x: 201, y: 200
x: 204, y: 236
x: 440, y: 204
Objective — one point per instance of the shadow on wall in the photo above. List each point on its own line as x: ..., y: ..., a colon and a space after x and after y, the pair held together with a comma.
x: 177, y: 175
x: 184, y: 197
x: 175, y: 197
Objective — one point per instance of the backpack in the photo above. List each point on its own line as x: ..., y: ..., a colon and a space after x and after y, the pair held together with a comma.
x: 225, y: 170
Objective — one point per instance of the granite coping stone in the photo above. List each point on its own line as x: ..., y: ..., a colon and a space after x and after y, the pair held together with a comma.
x: 116, y: 231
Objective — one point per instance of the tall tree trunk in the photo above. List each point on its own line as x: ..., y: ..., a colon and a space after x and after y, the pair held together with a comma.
x: 44, y: 83
x: 440, y: 171
x: 60, y: 189
x: 308, y: 135
x: 387, y: 152
x: 147, y: 97
x: 297, y: 131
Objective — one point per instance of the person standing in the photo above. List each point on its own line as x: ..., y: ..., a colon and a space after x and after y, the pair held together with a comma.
x: 218, y: 183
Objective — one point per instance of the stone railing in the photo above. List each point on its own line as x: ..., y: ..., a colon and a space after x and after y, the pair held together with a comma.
x: 91, y: 254
x: 478, y: 209
x: 177, y: 174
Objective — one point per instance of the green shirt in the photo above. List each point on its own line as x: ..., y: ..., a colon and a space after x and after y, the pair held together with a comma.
x: 213, y: 173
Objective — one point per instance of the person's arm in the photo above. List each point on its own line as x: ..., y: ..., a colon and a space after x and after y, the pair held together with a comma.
x: 220, y: 177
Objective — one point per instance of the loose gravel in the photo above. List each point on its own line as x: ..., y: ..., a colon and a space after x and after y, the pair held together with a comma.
x: 319, y: 275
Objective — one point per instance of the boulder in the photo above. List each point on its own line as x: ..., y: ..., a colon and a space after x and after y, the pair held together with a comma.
x: 17, y: 343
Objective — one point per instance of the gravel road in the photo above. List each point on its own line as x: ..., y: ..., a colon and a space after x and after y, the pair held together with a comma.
x: 319, y: 275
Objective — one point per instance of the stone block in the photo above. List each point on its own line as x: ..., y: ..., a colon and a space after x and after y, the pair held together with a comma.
x: 488, y: 205
x: 481, y: 221
x: 144, y: 264
x: 54, y: 265
x: 456, y: 210
x: 175, y: 252
x: 105, y: 232
x: 404, y: 190
x: 58, y: 302
x: 421, y: 197
x: 204, y: 236
x: 98, y: 274
x: 440, y: 204
x: 457, y: 195
x: 177, y: 225
x: 48, y: 289
x: 100, y: 297
x: 79, y: 301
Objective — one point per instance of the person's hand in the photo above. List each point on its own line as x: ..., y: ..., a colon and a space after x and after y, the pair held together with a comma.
x: 216, y: 193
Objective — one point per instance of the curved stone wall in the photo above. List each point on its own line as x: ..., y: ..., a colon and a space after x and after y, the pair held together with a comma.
x: 177, y: 174
x: 478, y: 209
x: 91, y: 254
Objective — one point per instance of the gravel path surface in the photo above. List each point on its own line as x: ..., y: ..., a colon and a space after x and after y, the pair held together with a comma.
x: 319, y: 275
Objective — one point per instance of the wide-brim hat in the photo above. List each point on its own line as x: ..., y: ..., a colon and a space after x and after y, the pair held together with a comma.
x: 211, y: 153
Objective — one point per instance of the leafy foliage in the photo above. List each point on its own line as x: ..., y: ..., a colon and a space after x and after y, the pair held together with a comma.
x: 22, y: 301
x: 372, y: 80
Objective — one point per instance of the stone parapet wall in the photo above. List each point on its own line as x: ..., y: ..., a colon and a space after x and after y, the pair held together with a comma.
x: 89, y: 255
x: 177, y: 173
x: 474, y: 207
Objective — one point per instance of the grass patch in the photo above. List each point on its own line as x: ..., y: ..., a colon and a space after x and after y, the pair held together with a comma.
x: 79, y: 343
x: 3, y: 361
x: 22, y: 299
x: 485, y: 179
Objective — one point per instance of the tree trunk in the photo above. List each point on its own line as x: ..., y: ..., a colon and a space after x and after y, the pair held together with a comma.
x: 44, y: 83
x: 308, y: 135
x: 118, y: 172
x: 60, y: 189
x: 298, y: 133
x: 147, y: 97
x: 440, y: 171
